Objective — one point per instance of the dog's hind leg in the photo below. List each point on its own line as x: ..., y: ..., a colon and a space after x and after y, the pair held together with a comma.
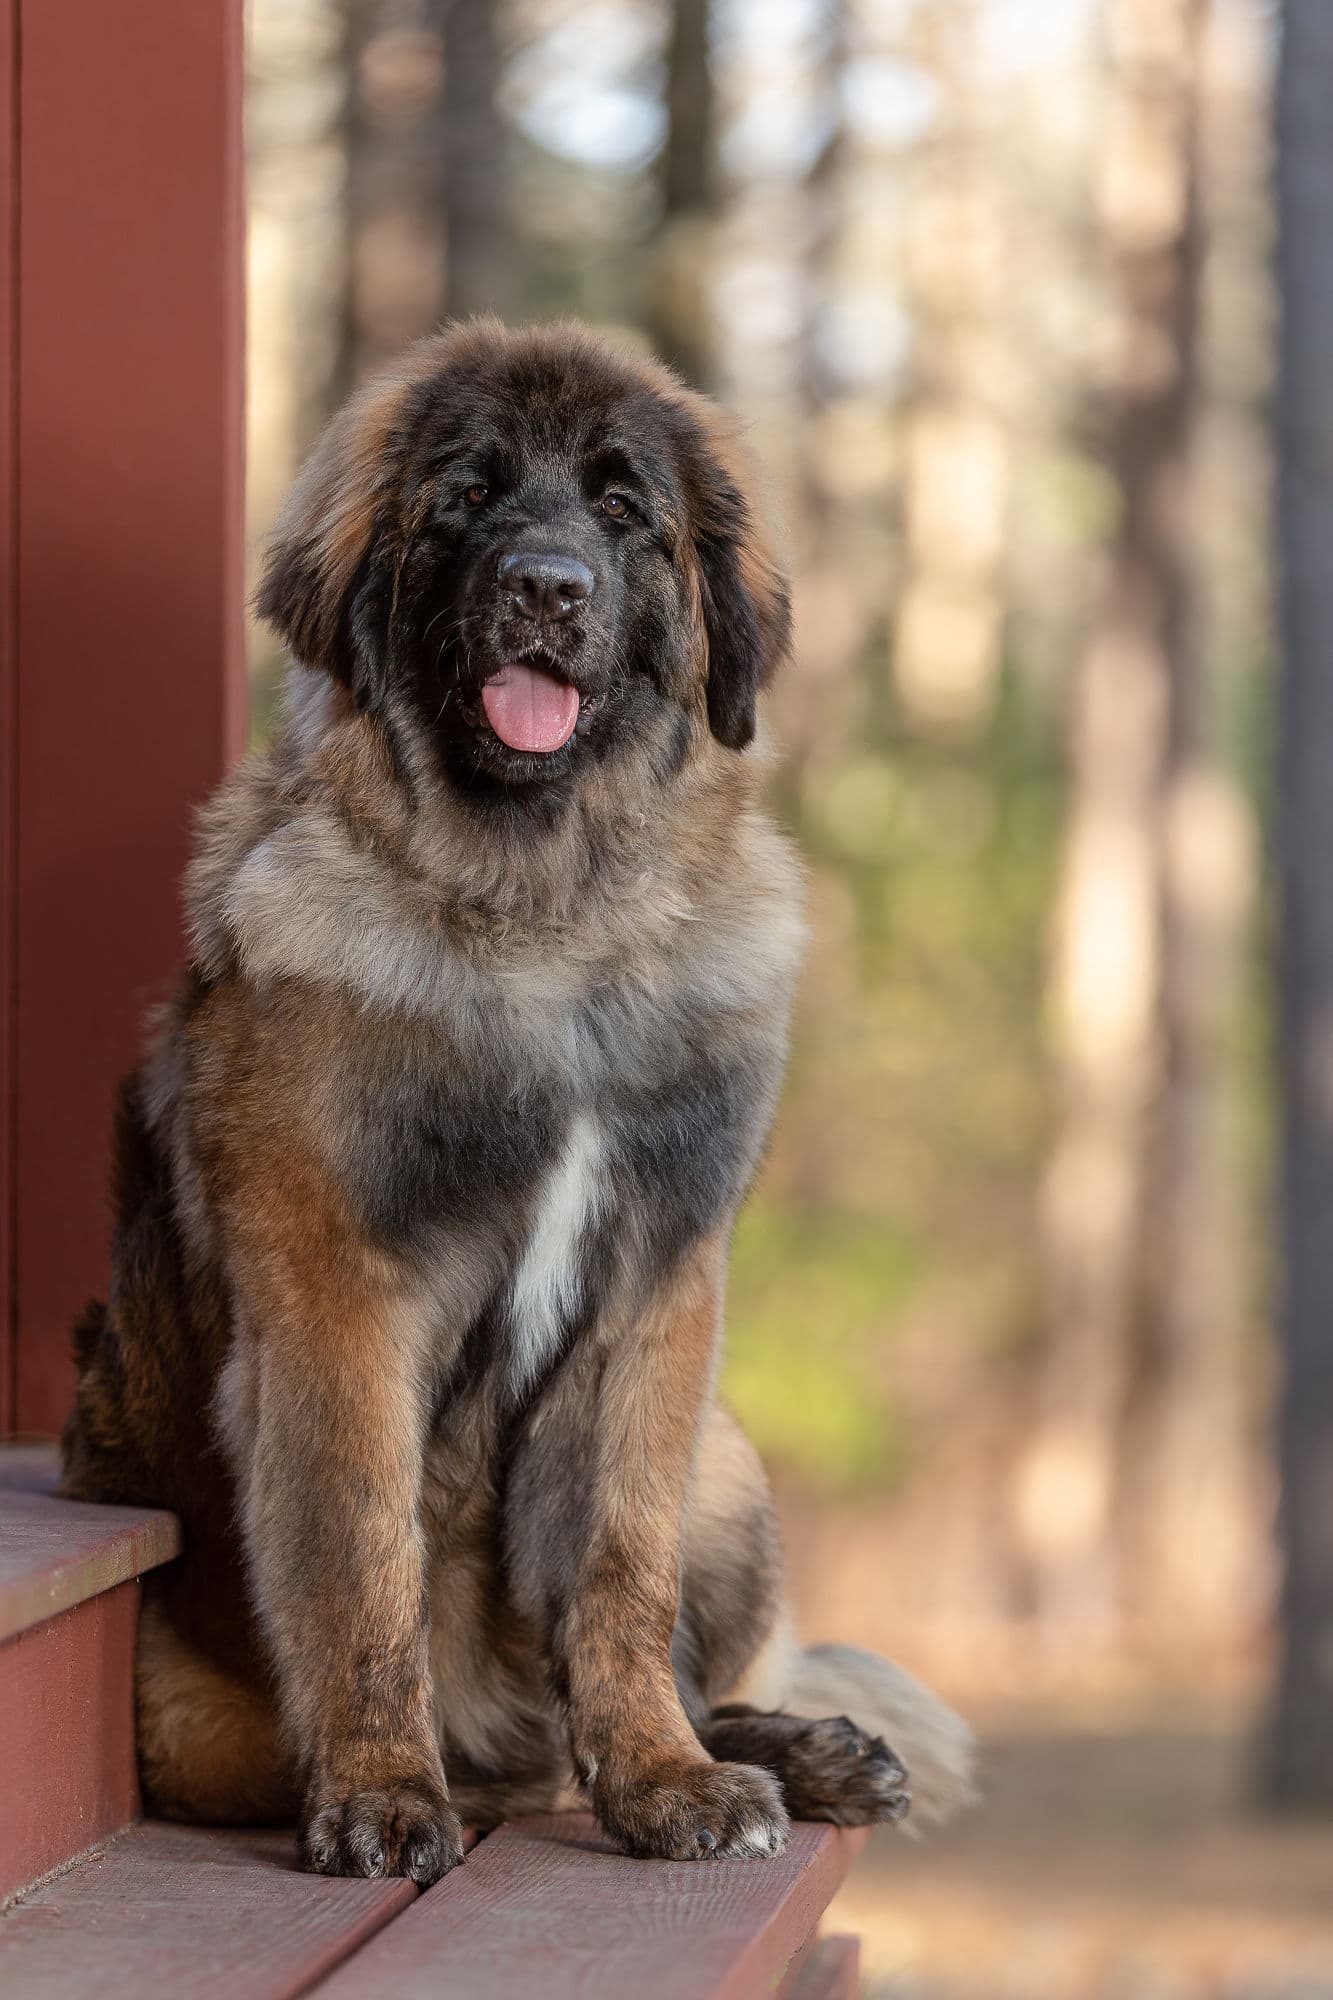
x: 209, y: 1747
x: 829, y: 1769
x: 836, y: 1725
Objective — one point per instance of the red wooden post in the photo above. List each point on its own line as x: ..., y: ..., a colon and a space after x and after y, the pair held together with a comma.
x: 8, y: 691
x: 125, y: 473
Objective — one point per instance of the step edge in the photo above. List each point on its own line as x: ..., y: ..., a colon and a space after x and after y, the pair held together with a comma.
x: 93, y: 1851
x: 133, y: 1540
x: 47, y: 1590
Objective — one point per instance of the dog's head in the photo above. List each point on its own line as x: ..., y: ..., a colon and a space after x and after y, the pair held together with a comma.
x: 545, y: 547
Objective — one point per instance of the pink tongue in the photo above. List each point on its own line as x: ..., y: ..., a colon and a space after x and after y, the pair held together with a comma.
x: 529, y: 710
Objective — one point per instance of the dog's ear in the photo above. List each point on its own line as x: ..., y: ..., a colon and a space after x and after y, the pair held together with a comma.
x: 745, y: 602
x: 328, y: 576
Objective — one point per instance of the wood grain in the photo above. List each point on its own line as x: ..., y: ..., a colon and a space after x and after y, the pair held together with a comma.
x: 55, y: 1554
x: 548, y: 1910
x: 173, y: 1910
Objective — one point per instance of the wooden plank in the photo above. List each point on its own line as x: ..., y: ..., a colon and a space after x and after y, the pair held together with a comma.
x: 55, y: 1554
x: 828, y: 1969
x: 67, y: 1735
x: 8, y: 688
x: 173, y: 1910
x: 548, y: 1910
x: 131, y: 687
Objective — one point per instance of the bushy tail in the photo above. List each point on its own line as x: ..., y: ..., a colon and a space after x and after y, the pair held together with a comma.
x: 936, y: 1745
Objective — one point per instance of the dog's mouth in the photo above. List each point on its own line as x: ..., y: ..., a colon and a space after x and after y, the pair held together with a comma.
x: 530, y: 708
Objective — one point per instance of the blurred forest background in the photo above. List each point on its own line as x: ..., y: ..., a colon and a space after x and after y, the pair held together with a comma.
x: 990, y: 282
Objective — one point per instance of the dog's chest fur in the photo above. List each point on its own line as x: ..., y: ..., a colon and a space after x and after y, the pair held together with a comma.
x: 547, y: 1290
x: 537, y: 1115
x: 569, y: 1174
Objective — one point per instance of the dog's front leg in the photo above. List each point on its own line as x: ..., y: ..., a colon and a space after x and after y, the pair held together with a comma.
x: 331, y: 1476
x: 653, y: 1785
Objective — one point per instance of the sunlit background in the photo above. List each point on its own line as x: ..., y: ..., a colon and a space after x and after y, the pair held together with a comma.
x: 989, y: 282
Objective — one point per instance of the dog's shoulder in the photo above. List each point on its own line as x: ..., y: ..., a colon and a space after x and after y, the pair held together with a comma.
x: 300, y: 875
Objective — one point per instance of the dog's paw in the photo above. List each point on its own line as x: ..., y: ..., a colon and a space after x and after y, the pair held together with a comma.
x: 835, y: 1770
x: 697, y: 1812
x: 403, y: 1829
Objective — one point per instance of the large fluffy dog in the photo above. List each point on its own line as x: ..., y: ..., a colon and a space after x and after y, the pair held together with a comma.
x: 425, y: 1189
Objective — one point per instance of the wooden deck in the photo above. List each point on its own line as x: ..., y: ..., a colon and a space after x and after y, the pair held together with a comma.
x: 69, y: 1607
x: 55, y: 1555
x: 540, y: 1911
x: 106, y: 1903
x: 549, y: 1908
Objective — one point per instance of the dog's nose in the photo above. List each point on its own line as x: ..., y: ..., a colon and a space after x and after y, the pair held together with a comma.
x: 546, y: 586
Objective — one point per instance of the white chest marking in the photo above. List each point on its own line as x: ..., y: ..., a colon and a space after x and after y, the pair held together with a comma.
x: 547, y: 1282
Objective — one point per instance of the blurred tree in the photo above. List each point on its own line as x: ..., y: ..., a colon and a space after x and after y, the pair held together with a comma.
x: 677, y: 304
x: 825, y: 198
x: 1301, y: 1765
x: 1125, y: 985
x: 949, y: 613
x: 297, y: 112
x: 395, y: 178
x: 427, y: 189
x: 1180, y: 1477
x: 481, y: 271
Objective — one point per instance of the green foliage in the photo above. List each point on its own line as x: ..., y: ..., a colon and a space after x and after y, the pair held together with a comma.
x: 811, y: 1306
x: 910, y: 1141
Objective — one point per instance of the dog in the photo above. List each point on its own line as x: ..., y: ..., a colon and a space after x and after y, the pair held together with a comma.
x: 424, y: 1190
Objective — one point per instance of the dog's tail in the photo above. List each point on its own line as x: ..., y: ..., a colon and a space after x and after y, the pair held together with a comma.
x: 936, y: 1745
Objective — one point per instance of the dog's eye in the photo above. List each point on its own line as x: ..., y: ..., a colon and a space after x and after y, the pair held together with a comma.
x: 477, y: 496
x: 616, y: 505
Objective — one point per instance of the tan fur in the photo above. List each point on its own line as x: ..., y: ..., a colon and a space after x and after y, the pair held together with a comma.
x: 209, y: 1744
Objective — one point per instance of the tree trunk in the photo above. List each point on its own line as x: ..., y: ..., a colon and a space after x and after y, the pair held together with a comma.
x: 825, y: 201
x: 1301, y: 1764
x: 1180, y: 1484
x: 427, y: 173
x: 1134, y: 729
x: 677, y: 304
x: 395, y: 201
x: 297, y: 127
x: 481, y: 272
x: 948, y: 619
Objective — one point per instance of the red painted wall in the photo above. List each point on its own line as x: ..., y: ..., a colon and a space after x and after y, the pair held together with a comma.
x: 126, y: 471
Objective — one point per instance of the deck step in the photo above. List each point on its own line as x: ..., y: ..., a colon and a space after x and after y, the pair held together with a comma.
x: 547, y: 1909
x: 56, y: 1554
x: 167, y: 1909
x: 69, y: 1606
x: 542, y: 1910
